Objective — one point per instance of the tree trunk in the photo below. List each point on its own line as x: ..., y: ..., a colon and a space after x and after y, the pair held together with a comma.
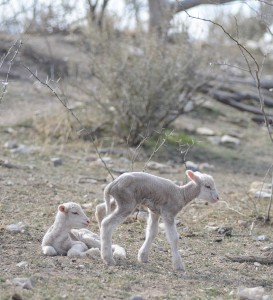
x: 160, y: 15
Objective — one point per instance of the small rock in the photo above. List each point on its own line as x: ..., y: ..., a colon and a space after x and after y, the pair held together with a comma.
x: 137, y: 298
x: 106, y: 159
x: 262, y: 238
x: 9, y: 183
x: 22, y: 264
x: 19, y: 227
x: 267, y: 248
x: 16, y: 296
x: 23, y: 149
x: 25, y: 283
x: 257, y: 264
x: 229, y: 140
x: 87, y: 180
x: 205, y: 131
x: 255, y: 293
x: 153, y: 165
x: 56, y: 161
x: 263, y: 195
x: 11, y: 145
x: 211, y: 228
x: 191, y: 166
x: 226, y: 231
x: 259, y: 185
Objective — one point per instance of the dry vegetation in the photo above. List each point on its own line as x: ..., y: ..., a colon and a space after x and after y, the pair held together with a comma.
x: 31, y: 190
x: 124, y: 94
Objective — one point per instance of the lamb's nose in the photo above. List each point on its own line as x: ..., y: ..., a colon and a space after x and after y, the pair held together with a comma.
x: 88, y: 221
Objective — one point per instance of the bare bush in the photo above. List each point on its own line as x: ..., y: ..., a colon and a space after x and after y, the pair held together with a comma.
x: 142, y: 82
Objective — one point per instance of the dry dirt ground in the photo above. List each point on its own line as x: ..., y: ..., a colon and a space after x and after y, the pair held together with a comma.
x: 31, y: 188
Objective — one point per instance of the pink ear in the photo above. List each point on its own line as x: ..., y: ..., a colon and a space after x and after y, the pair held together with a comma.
x: 191, y: 175
x: 61, y: 208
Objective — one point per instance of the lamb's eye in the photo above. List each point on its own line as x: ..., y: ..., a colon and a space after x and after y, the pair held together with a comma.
x: 207, y: 186
x: 74, y: 213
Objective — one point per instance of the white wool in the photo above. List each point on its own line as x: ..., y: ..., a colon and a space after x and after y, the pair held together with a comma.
x: 161, y: 196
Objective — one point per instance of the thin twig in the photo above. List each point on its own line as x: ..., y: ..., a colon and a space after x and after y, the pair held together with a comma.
x: 6, y: 81
x: 270, y: 201
x: 254, y: 74
x: 83, y: 129
x: 230, y: 208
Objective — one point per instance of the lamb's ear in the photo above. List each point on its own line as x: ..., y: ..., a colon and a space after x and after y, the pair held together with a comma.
x: 191, y: 175
x: 62, y: 208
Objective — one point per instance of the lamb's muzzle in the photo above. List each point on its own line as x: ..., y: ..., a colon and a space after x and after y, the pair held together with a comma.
x: 163, y: 199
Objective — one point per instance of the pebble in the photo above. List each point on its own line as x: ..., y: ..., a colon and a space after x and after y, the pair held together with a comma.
x: 57, y: 161
x: 255, y: 293
x: 191, y: 166
x: 262, y: 238
x: 19, y: 227
x: 23, y: 149
x: 257, y: 264
x: 25, y: 283
x: 230, y: 140
x: 137, y: 297
x: 16, y: 296
x: 153, y: 165
x: 205, y: 131
x: 11, y: 145
x: 263, y: 195
x: 267, y: 248
x: 22, y: 264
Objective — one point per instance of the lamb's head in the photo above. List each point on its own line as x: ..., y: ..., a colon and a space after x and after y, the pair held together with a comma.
x: 207, y: 186
x: 74, y: 215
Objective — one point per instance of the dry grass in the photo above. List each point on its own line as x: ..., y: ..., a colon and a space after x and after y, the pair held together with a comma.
x: 31, y: 195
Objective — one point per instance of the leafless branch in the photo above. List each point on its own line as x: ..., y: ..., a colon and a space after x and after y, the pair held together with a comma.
x: 187, y: 4
x: 255, y: 74
x: 83, y: 129
x: 6, y: 81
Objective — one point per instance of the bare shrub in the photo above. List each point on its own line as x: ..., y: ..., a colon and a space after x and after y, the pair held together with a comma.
x: 142, y: 82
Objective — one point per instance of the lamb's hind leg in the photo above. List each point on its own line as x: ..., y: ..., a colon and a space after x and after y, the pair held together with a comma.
x: 107, y: 227
x: 173, y: 238
x: 151, y: 232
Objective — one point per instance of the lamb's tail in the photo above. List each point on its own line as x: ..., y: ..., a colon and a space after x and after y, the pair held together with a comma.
x: 107, y: 197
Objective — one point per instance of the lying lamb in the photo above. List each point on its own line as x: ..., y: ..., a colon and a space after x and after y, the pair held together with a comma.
x: 62, y: 238
x: 162, y: 197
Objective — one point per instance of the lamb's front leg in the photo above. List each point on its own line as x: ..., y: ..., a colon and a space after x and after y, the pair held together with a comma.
x: 107, y: 226
x: 151, y: 232
x: 173, y: 238
x: 49, y: 251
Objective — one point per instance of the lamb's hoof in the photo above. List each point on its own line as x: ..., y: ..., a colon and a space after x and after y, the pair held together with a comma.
x: 143, y: 258
x: 179, y: 268
x: 109, y: 262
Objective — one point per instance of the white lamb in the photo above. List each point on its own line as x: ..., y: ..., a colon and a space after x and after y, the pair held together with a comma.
x: 68, y: 235
x: 162, y: 197
x: 57, y: 240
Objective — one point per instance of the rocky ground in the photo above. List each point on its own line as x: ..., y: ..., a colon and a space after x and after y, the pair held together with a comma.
x: 39, y: 172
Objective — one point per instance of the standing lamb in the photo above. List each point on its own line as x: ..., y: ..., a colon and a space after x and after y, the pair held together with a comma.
x: 162, y: 197
x: 57, y: 240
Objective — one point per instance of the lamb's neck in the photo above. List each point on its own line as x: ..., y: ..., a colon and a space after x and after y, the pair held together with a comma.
x: 60, y: 227
x: 190, y: 191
